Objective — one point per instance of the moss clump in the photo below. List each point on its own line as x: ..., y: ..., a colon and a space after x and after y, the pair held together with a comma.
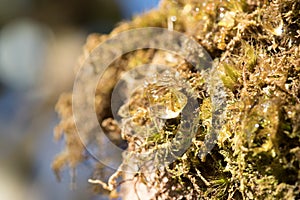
x: 255, y: 45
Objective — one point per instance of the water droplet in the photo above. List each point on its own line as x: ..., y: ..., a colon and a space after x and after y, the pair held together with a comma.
x: 173, y: 18
x: 279, y: 30
x: 166, y: 102
x: 187, y: 8
x: 165, y: 180
x: 287, y: 86
x: 171, y: 21
x: 228, y: 19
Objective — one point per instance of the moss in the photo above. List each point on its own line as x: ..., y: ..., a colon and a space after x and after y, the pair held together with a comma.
x: 255, y: 46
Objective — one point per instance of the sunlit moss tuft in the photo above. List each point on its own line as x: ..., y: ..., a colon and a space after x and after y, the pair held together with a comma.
x: 255, y: 47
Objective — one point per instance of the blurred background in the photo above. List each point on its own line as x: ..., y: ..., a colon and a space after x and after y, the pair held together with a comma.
x: 40, y: 41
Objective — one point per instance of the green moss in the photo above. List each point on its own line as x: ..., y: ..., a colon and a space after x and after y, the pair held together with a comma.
x: 255, y: 45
